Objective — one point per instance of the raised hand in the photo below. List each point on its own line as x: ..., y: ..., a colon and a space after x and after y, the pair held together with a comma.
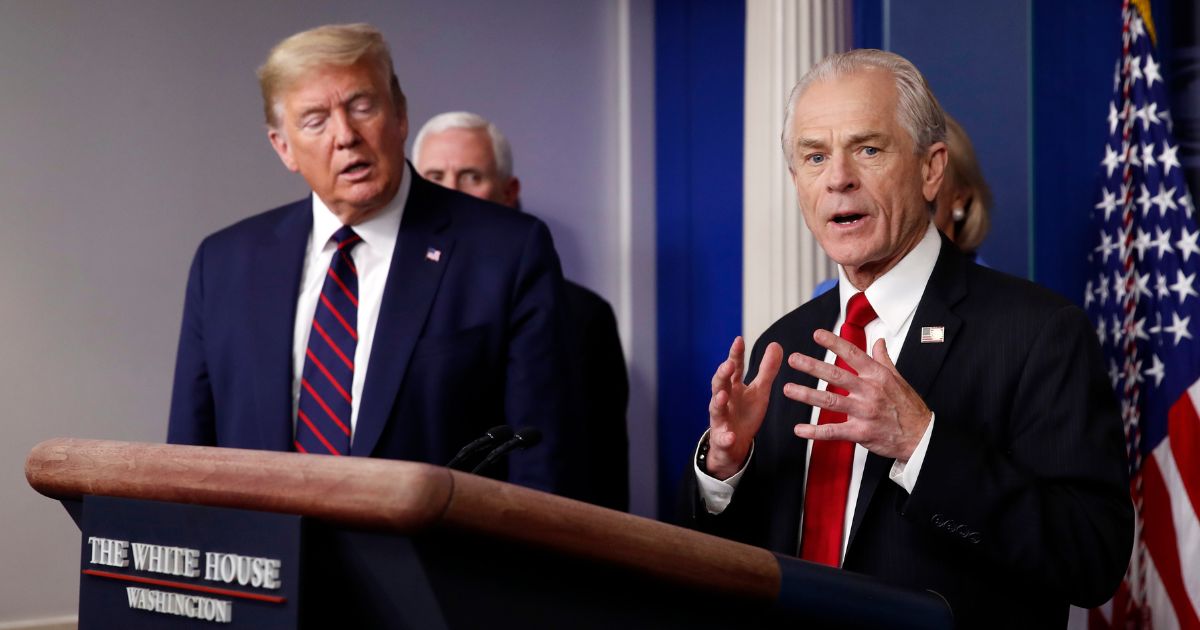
x: 736, y: 410
x: 883, y: 413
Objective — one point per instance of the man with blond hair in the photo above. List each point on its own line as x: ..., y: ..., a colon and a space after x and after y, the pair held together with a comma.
x: 958, y: 434
x: 381, y: 315
x: 465, y: 152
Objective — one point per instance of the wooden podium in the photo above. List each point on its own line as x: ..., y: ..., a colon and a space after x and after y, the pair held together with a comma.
x: 393, y: 544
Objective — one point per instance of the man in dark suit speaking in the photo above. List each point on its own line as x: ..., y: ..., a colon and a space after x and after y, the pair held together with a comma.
x: 958, y: 434
x: 381, y: 316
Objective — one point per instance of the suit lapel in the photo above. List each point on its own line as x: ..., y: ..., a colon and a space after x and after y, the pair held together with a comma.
x: 275, y: 284
x: 423, y: 251
x: 920, y: 362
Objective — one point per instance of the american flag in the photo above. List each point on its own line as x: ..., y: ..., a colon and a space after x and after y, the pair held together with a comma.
x: 1142, y: 297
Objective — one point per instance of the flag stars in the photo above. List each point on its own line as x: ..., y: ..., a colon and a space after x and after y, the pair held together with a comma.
x: 1185, y: 202
x: 1106, y: 246
x: 1148, y: 115
x: 1139, y: 329
x: 1102, y: 290
x: 1119, y: 288
x: 1144, y: 199
x: 1160, y: 288
x: 1113, y: 118
x: 1151, y: 71
x: 1186, y: 244
x: 1111, y: 160
x: 1183, y: 286
x: 1169, y: 157
x: 1135, y: 68
x: 1143, y: 287
x: 1157, y: 370
x: 1179, y: 327
x: 1141, y: 242
x: 1136, y: 28
x: 1088, y: 296
x: 1148, y: 155
x: 1162, y: 242
x: 1108, y: 204
x: 1165, y: 200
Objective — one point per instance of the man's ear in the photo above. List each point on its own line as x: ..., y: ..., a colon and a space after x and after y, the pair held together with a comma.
x: 933, y: 170
x: 512, y: 192
x: 283, y: 148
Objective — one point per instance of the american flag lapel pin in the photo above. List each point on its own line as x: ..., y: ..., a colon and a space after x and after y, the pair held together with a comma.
x: 933, y: 334
x: 433, y: 254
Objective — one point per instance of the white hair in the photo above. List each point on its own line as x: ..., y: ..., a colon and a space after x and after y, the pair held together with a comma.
x: 501, y: 151
x: 917, y: 109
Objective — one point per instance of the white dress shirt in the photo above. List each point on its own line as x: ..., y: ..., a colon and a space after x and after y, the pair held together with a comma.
x: 894, y: 296
x: 373, y: 258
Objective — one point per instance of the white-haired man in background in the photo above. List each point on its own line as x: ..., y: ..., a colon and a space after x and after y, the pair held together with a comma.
x: 466, y: 152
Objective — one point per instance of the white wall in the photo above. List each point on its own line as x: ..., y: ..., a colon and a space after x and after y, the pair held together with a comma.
x: 131, y: 129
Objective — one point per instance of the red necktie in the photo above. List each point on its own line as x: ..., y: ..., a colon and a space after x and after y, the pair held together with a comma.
x: 323, y: 417
x: 830, y: 463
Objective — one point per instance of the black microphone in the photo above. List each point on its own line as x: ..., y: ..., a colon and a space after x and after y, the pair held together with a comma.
x: 493, y: 436
x: 525, y: 438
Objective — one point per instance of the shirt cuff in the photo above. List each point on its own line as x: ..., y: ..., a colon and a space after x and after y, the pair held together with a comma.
x: 716, y: 493
x: 905, y: 475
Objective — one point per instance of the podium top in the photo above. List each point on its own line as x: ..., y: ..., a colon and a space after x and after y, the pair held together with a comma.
x: 399, y: 497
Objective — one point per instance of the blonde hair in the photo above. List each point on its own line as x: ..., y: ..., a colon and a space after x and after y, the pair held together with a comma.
x: 963, y: 173
x: 329, y: 45
x: 917, y: 110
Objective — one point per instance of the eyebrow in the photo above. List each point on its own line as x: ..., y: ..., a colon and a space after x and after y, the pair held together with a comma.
x: 855, y: 139
x: 322, y: 108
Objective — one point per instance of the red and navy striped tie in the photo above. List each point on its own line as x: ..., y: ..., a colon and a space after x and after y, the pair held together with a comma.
x: 323, y: 419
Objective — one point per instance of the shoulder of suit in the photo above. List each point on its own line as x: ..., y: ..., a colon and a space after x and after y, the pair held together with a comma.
x: 263, y: 222
x: 1000, y: 292
x: 469, y: 212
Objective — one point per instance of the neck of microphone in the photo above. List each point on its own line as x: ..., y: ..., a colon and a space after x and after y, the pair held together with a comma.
x: 525, y: 438
x: 490, y: 439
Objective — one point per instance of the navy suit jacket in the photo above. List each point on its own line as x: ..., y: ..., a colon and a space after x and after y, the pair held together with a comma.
x: 1022, y: 505
x: 463, y: 343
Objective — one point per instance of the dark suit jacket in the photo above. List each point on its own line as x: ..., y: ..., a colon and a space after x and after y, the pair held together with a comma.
x: 599, y: 396
x: 1022, y: 505
x: 462, y: 344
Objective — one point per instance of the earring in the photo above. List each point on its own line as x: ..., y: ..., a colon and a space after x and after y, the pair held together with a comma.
x: 958, y: 214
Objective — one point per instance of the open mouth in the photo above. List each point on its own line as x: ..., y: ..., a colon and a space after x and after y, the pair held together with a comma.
x: 356, y: 168
x: 847, y: 219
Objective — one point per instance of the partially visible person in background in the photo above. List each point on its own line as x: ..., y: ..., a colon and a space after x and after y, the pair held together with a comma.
x: 465, y: 152
x: 964, y: 202
x: 963, y: 205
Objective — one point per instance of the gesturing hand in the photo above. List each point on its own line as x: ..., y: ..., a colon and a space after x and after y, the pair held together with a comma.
x: 883, y: 413
x: 736, y: 410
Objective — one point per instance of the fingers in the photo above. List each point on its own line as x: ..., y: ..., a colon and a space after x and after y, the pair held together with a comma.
x: 718, y: 408
x: 737, y: 354
x: 721, y: 378
x: 880, y: 352
x: 825, y: 399
x: 768, y: 367
x: 836, y: 431
x: 848, y: 352
x: 827, y: 372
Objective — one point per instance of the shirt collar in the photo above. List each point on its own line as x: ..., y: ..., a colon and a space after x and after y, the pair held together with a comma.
x: 378, y: 231
x: 895, y: 294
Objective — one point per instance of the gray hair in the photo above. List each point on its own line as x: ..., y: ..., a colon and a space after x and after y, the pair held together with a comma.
x: 917, y: 108
x: 501, y: 151
x: 330, y: 45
